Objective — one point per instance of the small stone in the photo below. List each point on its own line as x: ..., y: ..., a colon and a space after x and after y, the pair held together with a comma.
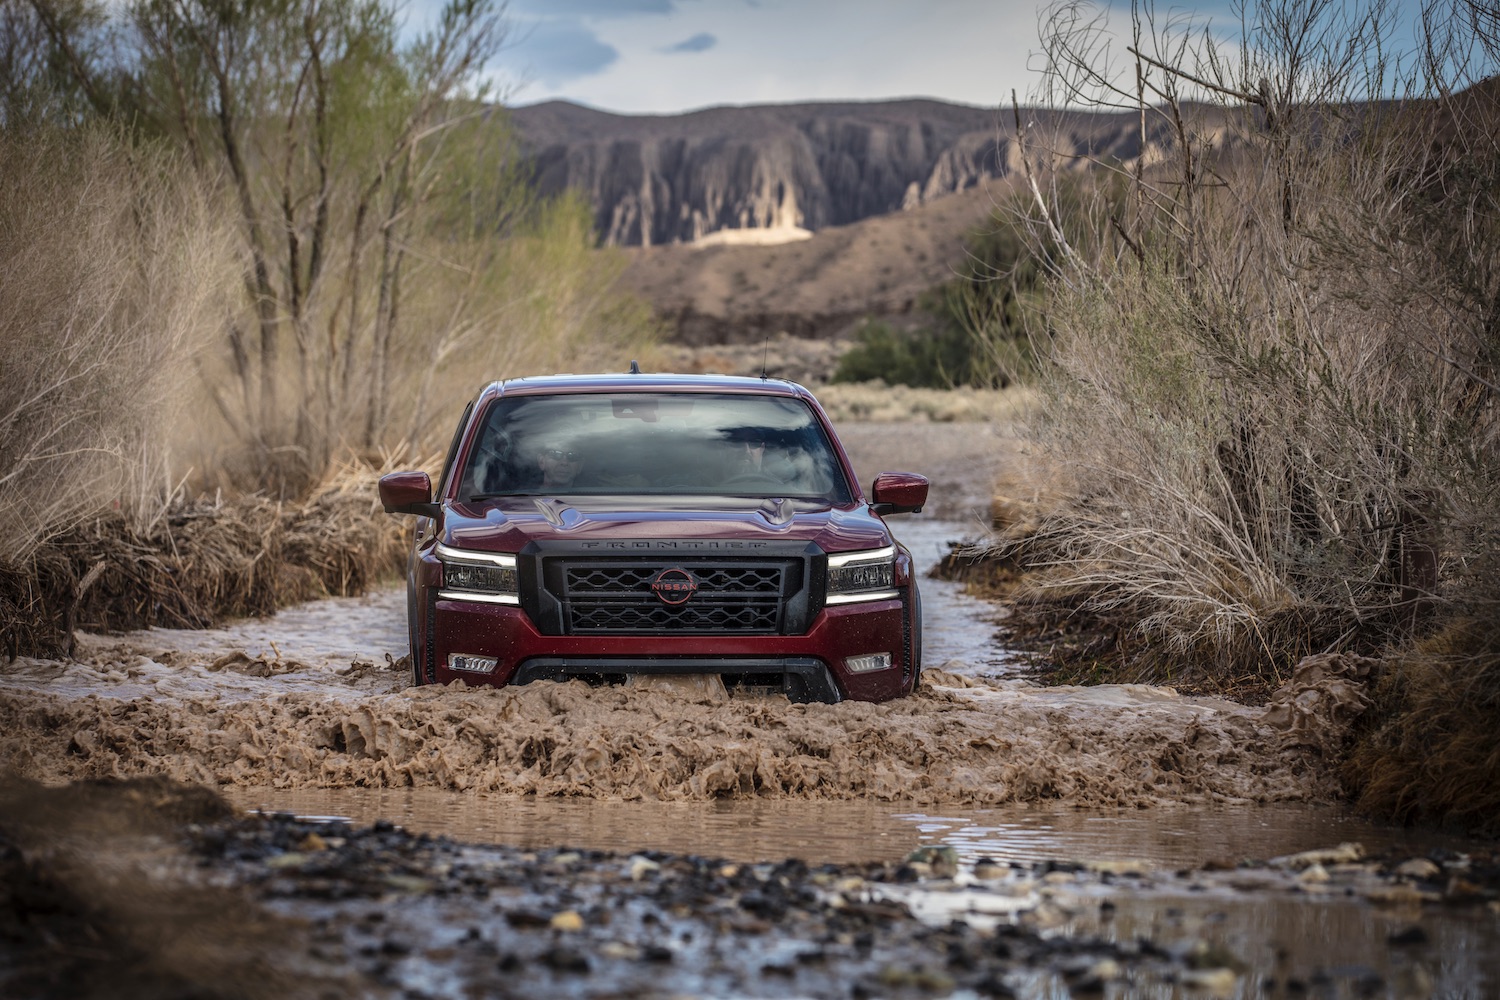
x: 567, y: 920
x: 291, y: 859
x: 619, y: 950
x: 1105, y: 970
x: 1419, y: 868
x: 640, y: 867
x: 1461, y: 890
x: 566, y: 960
x: 989, y: 868
x: 1396, y: 895
x: 1313, y: 874
x: 944, y: 861
x: 312, y: 842
x: 408, y: 883
x: 1219, y: 982
x: 1347, y: 853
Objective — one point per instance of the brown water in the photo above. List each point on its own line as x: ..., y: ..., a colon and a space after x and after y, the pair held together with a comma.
x: 750, y: 830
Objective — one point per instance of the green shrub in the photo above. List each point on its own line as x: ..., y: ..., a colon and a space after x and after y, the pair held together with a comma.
x: 973, y: 330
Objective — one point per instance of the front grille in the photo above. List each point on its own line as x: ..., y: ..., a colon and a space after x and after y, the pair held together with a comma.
x: 731, y: 598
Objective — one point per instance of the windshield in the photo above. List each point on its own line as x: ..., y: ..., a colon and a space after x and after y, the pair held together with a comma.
x: 653, y: 444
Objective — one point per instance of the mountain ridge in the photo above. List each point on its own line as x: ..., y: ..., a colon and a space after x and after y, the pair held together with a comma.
x: 887, y: 191
x: 662, y: 179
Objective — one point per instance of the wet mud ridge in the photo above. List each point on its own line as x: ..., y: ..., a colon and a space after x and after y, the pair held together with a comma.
x: 238, y: 721
x: 194, y: 900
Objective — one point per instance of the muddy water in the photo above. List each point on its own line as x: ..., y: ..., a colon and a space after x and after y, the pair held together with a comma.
x: 306, y: 712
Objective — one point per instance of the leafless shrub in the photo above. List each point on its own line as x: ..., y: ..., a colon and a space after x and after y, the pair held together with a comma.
x: 110, y: 272
x: 1273, y: 333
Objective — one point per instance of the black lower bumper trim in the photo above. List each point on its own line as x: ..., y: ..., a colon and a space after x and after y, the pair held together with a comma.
x: 802, y: 679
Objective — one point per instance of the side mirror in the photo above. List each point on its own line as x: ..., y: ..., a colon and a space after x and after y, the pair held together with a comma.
x: 407, y: 493
x: 898, y: 493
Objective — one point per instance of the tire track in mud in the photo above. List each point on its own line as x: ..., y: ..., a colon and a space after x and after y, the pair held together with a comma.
x: 958, y: 741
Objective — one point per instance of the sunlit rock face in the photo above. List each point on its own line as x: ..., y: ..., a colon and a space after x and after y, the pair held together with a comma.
x: 676, y: 179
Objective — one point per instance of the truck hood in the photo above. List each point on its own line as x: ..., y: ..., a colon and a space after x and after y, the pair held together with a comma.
x: 508, y: 524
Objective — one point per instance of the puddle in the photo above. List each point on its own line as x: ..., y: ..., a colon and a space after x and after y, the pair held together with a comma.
x: 1167, y: 838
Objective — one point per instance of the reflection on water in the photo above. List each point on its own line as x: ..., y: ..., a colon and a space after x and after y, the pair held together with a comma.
x: 751, y: 830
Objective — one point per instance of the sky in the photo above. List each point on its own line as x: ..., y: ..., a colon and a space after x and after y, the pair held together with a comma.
x: 670, y: 56
x: 667, y: 56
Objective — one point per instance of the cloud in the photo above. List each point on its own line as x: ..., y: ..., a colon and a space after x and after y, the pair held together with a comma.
x: 558, y: 51
x: 701, y: 42
x: 593, y: 8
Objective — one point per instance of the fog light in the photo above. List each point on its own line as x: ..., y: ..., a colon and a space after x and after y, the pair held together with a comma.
x: 472, y: 664
x: 865, y: 664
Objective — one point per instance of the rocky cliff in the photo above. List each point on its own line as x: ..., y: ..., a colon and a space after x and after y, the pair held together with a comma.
x: 657, y: 180
x: 673, y: 179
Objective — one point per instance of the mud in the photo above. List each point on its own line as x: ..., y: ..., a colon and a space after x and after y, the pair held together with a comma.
x: 238, y: 720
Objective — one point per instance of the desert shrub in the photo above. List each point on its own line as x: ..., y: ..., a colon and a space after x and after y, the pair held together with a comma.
x: 973, y: 330
x: 111, y: 269
x: 1270, y: 373
x: 1429, y: 752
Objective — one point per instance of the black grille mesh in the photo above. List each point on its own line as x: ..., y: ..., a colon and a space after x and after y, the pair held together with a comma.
x: 730, y: 599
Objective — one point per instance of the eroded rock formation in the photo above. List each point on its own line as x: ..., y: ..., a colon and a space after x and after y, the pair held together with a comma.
x: 672, y: 179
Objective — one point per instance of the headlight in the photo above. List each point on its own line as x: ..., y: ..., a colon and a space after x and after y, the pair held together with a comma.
x: 862, y: 576
x: 478, y: 576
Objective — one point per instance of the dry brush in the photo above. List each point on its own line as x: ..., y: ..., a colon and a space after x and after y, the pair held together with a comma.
x: 1272, y: 341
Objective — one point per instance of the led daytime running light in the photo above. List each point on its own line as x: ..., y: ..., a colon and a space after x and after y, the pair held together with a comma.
x: 862, y: 576
x: 487, y: 577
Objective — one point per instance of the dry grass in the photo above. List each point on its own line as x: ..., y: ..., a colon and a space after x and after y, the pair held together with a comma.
x: 1430, y: 754
x: 1269, y: 384
x: 1266, y: 388
x: 204, y: 561
x: 110, y: 272
x: 878, y: 402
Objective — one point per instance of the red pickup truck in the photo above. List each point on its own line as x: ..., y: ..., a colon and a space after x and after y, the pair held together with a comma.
x: 603, y: 526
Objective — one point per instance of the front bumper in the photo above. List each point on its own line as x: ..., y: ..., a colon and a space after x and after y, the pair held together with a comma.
x: 811, y: 665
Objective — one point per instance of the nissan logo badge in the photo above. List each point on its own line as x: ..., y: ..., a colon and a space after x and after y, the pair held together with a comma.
x: 674, y: 586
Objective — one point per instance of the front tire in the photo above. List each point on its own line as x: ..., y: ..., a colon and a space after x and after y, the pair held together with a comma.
x: 916, y: 638
x: 414, y: 648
